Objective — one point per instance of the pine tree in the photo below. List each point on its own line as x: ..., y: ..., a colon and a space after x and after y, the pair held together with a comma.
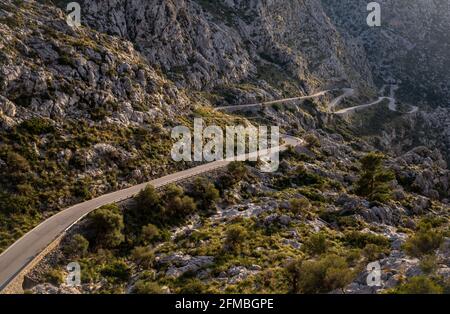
x: 374, y: 179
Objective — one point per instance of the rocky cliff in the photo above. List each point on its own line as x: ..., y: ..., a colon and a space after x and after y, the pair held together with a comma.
x: 206, y: 45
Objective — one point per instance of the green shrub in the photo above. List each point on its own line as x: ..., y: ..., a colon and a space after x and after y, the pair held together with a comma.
x: 82, y: 189
x: 300, y: 206
x: 429, y: 264
x: 235, y: 236
x: 76, y: 246
x: 329, y: 273
x: 143, y: 256
x: 374, y: 252
x: 148, y: 199
x: 311, y: 141
x: 301, y: 177
x: 148, y: 208
x: 193, y: 286
x: 106, y: 223
x: 54, y: 276
x: 117, y: 270
x: 16, y: 162
x: 170, y: 208
x: 16, y: 204
x: 419, y: 285
x: 180, y: 207
x: 425, y: 241
x: 236, y: 172
x: 205, y: 193
x: 316, y: 244
x: 361, y: 239
x: 147, y: 287
x: 150, y: 233
x: 37, y: 126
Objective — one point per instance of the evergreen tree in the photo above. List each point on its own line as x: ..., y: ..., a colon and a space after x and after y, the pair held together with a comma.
x: 374, y: 179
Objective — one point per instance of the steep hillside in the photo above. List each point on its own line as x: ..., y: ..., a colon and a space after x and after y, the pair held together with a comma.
x: 411, y: 46
x: 81, y: 113
x: 205, y: 45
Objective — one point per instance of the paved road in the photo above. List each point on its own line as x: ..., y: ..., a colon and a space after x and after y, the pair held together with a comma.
x: 24, y: 250
x: 356, y: 108
x: 272, y: 102
x: 347, y: 93
x: 392, y: 102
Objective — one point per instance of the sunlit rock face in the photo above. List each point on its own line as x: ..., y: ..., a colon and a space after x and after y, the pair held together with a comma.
x: 203, y: 45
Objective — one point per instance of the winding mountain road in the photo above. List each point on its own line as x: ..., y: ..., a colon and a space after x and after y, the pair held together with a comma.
x: 347, y: 93
x: 272, y: 102
x: 392, y: 105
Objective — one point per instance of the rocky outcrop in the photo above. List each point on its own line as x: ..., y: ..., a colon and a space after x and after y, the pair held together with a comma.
x: 50, y: 70
x: 180, y: 264
x: 425, y: 172
x: 201, y: 44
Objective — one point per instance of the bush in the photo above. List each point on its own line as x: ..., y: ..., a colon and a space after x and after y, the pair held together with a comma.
x: 82, y: 189
x: 301, y: 177
x: 300, y: 206
x: 235, y: 236
x: 18, y: 169
x: 106, y: 223
x: 316, y: 244
x: 37, y: 126
x: 236, y: 172
x: 118, y: 270
x: 54, y: 277
x: 204, y: 193
x: 329, y: 273
x: 147, y: 287
x: 361, y: 240
x: 149, y: 205
x: 424, y: 242
x: 312, y: 141
x: 429, y: 264
x: 17, y: 163
x: 77, y: 246
x: 373, y: 252
x: 166, y: 209
x: 143, y: 256
x: 193, y: 286
x: 419, y: 285
x: 150, y: 233
x: 180, y: 207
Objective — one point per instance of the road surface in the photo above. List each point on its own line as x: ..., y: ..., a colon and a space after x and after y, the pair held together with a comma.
x: 356, y: 108
x: 347, y: 93
x: 392, y: 103
x: 272, y: 102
